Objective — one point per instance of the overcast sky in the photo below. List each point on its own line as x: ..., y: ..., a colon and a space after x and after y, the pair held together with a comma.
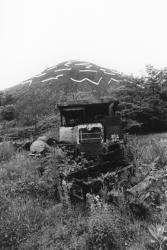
x: 119, y: 34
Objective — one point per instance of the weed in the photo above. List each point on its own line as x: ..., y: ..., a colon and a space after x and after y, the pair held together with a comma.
x: 7, y: 151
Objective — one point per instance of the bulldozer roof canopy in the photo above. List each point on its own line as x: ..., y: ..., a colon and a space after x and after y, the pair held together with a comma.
x: 84, y: 106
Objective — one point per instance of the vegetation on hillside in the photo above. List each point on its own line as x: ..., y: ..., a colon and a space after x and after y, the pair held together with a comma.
x: 35, y: 208
x: 143, y: 101
x: 37, y: 214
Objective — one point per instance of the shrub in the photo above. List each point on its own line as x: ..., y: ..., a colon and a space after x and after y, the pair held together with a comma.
x: 62, y: 229
x: 141, y: 149
x: 7, y: 151
x: 21, y: 218
x: 159, y: 152
x: 104, y: 227
x: 8, y: 112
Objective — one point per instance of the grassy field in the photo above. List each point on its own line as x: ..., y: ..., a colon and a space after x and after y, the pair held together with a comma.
x: 33, y: 217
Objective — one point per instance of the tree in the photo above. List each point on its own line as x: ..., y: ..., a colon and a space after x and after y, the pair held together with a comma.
x: 8, y: 99
x: 1, y: 97
x: 144, y: 100
x: 8, y: 112
x: 31, y: 107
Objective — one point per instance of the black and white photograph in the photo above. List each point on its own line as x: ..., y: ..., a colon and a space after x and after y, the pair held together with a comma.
x: 83, y: 125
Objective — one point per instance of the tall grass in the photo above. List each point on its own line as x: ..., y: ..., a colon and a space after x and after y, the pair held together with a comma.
x: 146, y: 150
x: 32, y: 216
x: 7, y: 151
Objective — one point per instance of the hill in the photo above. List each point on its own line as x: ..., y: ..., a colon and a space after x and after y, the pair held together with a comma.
x: 67, y: 81
x: 142, y: 100
x: 72, y: 80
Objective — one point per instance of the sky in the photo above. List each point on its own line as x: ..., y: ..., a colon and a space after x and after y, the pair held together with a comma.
x: 124, y: 35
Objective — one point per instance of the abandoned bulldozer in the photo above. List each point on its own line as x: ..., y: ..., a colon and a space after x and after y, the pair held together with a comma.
x: 92, y: 132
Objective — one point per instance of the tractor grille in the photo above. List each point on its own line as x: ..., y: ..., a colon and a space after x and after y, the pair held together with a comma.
x: 90, y: 136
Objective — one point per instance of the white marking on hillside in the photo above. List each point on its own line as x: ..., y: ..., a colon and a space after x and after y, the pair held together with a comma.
x: 40, y: 75
x: 88, y: 70
x: 52, y: 78
x: 28, y: 81
x: 89, y: 66
x: 86, y: 79
x: 109, y: 81
x: 62, y: 69
x: 112, y: 79
x: 108, y: 73
x: 54, y: 67
x: 116, y: 72
x: 83, y: 63
x: 69, y: 62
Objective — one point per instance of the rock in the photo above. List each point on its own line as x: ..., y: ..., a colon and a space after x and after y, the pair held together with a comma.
x: 43, y: 138
x: 39, y: 147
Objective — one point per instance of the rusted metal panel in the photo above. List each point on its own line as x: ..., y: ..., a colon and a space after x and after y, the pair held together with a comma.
x: 112, y: 126
x: 67, y: 134
x: 105, y: 99
x: 91, y: 148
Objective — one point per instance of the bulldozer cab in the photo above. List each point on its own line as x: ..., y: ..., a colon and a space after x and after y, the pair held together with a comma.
x: 95, y: 132
x: 93, y: 122
x: 75, y: 114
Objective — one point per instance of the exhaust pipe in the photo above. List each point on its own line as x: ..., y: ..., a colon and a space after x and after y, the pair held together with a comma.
x: 112, y: 108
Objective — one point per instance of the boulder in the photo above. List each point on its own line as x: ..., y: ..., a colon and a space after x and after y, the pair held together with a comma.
x: 50, y: 141
x: 43, y: 138
x: 39, y: 147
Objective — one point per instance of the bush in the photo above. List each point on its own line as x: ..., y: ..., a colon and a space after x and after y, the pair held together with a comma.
x: 8, y: 112
x: 7, y: 151
x: 62, y: 229
x: 104, y: 226
x: 142, y: 149
x: 21, y: 218
x: 30, y: 217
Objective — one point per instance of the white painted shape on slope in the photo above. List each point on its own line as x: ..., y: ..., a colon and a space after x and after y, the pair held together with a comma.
x: 112, y: 79
x: 62, y: 69
x: 68, y: 62
x: 86, y: 79
x: 109, y: 81
x: 88, y: 70
x: 80, y: 64
x: 108, y: 73
x: 51, y: 67
x: 40, y: 75
x: 89, y: 66
x: 52, y: 78
x: 28, y: 81
x: 59, y: 76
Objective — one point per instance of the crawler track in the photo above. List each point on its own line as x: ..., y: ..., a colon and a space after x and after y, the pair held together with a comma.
x: 94, y: 175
